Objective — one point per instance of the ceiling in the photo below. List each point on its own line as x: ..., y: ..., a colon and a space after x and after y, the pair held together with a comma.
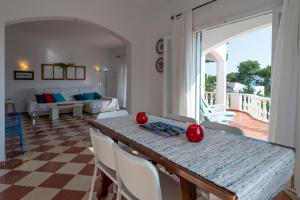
x: 148, y: 5
x: 150, y: 2
x: 57, y: 30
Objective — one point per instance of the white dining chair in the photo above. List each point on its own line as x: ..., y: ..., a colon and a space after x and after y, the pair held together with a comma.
x: 222, y: 127
x: 139, y: 179
x: 104, y: 157
x: 113, y: 114
x: 181, y: 118
x: 118, y: 113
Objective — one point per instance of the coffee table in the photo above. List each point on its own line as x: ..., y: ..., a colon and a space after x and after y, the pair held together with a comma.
x: 55, y: 110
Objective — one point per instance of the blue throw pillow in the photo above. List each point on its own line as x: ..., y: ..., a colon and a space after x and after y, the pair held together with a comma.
x: 97, y: 95
x: 58, y: 97
x: 78, y: 97
x: 40, y: 98
x: 88, y: 96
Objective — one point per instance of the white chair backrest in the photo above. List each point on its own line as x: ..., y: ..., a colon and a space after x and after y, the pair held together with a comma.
x: 138, y: 175
x: 222, y: 127
x: 119, y: 113
x: 103, y: 150
x: 181, y: 118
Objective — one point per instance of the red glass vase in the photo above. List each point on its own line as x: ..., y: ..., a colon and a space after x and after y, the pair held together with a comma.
x: 195, y: 133
x: 141, y: 118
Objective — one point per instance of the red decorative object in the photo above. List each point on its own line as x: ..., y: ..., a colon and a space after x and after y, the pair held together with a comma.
x: 141, y: 118
x: 194, y: 133
x: 48, y: 98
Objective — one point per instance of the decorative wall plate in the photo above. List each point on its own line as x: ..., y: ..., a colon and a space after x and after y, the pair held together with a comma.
x: 160, y: 46
x: 160, y: 65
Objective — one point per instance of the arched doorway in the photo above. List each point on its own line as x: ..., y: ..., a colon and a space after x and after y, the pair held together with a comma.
x: 50, y: 54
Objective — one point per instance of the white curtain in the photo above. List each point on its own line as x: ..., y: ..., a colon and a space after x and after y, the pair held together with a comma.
x: 285, y: 109
x: 122, y: 81
x: 182, y: 71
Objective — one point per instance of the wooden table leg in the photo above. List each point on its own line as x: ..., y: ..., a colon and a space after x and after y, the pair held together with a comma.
x: 105, y: 183
x: 188, y: 189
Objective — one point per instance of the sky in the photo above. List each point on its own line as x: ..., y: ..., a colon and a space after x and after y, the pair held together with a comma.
x: 256, y: 45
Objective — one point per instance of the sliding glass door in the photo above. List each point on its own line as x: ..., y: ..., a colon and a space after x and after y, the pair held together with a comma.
x: 233, y: 62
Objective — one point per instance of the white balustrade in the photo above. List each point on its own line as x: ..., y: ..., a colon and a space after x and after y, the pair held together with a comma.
x: 210, y: 97
x: 258, y: 107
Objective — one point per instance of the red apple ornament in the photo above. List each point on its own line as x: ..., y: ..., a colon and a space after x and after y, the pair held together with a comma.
x: 141, y: 118
x: 194, y: 133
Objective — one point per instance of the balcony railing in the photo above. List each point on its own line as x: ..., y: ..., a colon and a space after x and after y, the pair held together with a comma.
x: 257, y: 106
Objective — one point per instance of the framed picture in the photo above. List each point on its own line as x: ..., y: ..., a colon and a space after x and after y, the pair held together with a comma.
x: 47, y: 72
x: 71, y: 73
x: 52, y: 72
x: 58, y: 73
x: 21, y: 75
x: 80, y: 73
x: 76, y: 73
x: 160, y: 46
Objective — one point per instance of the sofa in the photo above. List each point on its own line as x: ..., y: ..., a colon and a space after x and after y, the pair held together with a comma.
x: 104, y: 104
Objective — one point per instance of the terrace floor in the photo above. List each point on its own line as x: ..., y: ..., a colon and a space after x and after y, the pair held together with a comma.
x: 252, y: 127
x: 58, y: 164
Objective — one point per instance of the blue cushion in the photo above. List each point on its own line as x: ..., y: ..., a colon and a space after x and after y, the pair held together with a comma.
x: 40, y: 98
x: 97, y: 95
x: 58, y: 97
x: 78, y: 97
x: 88, y: 96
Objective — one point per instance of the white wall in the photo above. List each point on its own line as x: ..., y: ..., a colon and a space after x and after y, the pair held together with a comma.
x: 121, y: 18
x: 47, y: 50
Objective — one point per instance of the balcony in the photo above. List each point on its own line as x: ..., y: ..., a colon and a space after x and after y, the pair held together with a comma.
x: 253, y: 112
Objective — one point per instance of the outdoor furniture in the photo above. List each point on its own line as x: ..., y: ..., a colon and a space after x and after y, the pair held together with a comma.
x: 216, y: 117
x: 215, y: 113
x: 226, y: 165
x: 221, y: 108
x: 13, y: 126
x: 55, y: 110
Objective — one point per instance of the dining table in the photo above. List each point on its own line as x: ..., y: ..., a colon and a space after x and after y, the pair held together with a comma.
x: 227, y: 165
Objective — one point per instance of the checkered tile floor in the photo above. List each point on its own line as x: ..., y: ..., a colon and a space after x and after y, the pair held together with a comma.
x: 57, y: 163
